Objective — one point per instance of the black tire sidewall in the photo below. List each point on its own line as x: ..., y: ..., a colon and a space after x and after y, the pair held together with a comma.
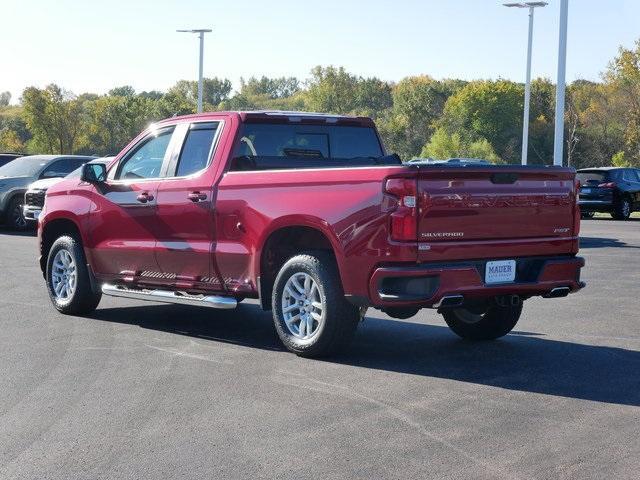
x: 83, y: 299
x: 497, y: 322
x: 340, y: 317
x: 15, y: 201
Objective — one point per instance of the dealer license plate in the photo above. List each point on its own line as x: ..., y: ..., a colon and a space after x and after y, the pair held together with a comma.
x: 500, y: 271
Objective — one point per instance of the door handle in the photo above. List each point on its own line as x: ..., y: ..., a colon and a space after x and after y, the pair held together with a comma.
x: 197, y: 197
x: 144, y: 197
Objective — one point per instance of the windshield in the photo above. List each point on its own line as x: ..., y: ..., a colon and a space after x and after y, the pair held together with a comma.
x: 23, y: 167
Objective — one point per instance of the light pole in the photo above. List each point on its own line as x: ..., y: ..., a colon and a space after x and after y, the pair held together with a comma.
x: 200, y: 33
x: 558, y: 138
x: 527, y: 86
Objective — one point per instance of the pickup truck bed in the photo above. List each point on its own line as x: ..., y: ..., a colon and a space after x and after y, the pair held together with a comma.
x: 307, y: 213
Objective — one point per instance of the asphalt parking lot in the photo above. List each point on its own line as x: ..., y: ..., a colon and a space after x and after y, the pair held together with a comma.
x: 142, y: 390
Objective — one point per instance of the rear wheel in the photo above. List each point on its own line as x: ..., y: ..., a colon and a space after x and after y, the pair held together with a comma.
x: 68, y: 281
x: 310, y: 313
x: 15, y: 215
x: 622, y: 209
x: 483, y: 323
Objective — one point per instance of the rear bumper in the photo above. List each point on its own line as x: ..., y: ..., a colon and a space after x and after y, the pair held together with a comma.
x: 427, y: 285
x: 595, y: 205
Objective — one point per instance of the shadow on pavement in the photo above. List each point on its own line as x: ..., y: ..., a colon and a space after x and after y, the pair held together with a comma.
x: 522, y: 361
x: 601, y: 242
x: 17, y: 233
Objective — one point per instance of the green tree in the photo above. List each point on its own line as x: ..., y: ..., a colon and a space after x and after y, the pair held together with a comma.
x: 331, y: 90
x: 55, y: 117
x: 444, y: 145
x: 417, y: 103
x: 624, y: 75
x: 5, y: 99
x: 491, y: 110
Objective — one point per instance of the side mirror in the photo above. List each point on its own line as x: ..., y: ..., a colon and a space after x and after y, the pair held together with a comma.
x: 51, y: 174
x: 94, y: 173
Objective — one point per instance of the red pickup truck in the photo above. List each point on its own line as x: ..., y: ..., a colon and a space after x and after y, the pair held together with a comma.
x: 308, y: 214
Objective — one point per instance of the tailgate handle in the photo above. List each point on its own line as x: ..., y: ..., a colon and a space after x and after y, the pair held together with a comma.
x: 504, y: 178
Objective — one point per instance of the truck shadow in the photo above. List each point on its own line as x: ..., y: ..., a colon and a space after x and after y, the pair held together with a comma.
x: 522, y: 361
x: 602, y: 242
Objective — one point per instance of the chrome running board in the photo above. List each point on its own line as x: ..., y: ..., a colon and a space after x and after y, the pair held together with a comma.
x: 166, y: 296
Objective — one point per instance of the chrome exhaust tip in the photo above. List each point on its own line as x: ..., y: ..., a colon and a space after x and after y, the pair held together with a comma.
x: 558, y: 292
x: 449, y: 301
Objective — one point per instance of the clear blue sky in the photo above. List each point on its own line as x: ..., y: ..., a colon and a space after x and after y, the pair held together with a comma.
x: 94, y: 46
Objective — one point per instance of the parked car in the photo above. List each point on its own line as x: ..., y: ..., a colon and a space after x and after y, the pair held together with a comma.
x: 16, y: 176
x: 613, y: 190
x: 35, y: 194
x: 451, y: 161
x: 308, y: 214
x: 7, y: 157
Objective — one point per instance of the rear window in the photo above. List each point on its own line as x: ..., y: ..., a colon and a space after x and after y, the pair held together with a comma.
x: 591, y: 178
x: 273, y: 146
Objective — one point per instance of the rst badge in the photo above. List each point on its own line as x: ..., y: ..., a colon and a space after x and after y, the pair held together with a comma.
x: 500, y: 271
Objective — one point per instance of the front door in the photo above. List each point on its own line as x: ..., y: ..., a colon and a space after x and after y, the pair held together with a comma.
x: 186, y: 233
x: 123, y: 215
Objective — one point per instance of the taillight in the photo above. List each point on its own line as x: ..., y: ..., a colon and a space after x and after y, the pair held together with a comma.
x: 607, y: 185
x: 404, y: 220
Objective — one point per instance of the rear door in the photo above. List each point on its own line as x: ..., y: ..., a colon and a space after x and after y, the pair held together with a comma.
x: 465, y: 205
x: 123, y: 219
x: 186, y: 228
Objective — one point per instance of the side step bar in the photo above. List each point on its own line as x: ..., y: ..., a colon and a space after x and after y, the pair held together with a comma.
x: 166, y: 296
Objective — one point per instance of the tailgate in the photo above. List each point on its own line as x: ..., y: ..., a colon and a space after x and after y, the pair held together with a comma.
x: 473, y: 204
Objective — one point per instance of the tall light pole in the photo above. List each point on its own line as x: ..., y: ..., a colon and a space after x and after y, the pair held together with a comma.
x: 200, y: 32
x: 527, y: 86
x: 558, y: 138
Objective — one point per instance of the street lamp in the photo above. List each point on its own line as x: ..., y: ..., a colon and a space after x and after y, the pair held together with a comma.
x: 200, y: 33
x: 558, y: 138
x: 527, y: 86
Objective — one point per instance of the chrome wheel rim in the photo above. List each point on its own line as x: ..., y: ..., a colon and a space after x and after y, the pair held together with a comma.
x: 18, y: 217
x: 303, y: 308
x: 64, y: 276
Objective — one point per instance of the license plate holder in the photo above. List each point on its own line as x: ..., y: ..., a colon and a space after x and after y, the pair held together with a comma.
x: 500, y: 271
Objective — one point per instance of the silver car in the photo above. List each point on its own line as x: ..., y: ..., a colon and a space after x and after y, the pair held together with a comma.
x: 16, y: 176
x: 35, y: 194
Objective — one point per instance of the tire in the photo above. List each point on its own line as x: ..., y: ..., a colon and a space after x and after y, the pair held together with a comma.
x: 622, y: 209
x: 15, y: 216
x: 66, y: 264
x: 486, y: 323
x: 331, y: 320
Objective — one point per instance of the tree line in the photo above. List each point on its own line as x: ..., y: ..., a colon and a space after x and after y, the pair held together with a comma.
x: 417, y: 116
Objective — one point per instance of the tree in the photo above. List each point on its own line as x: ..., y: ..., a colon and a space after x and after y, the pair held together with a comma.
x: 444, y: 145
x: 331, y: 90
x: 417, y: 103
x: 55, y: 117
x: 183, y: 96
x: 624, y: 75
x: 5, y: 99
x: 272, y: 88
x: 491, y: 110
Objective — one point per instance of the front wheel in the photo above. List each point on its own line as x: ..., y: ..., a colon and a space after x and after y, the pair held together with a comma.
x: 483, y: 323
x: 15, y: 215
x: 68, y: 281
x: 310, y: 313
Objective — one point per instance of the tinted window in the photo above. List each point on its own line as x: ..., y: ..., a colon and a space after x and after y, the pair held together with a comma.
x: 196, y: 150
x: 286, y: 140
x: 146, y: 160
x: 591, y: 178
x: 60, y: 168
